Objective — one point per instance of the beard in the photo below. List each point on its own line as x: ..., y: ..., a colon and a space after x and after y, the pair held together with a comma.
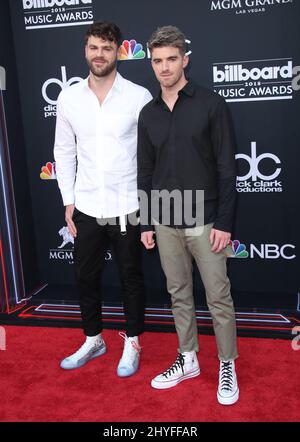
x: 102, y: 71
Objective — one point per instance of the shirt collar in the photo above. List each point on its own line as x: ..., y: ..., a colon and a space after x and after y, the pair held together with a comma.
x: 117, y: 84
x: 188, y: 89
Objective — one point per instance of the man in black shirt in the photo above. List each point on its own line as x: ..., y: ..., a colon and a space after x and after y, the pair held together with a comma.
x: 185, y: 146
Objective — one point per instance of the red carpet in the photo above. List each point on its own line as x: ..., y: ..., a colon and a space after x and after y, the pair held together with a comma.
x: 34, y: 388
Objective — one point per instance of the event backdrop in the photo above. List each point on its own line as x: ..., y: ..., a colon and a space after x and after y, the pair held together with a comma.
x: 25, y: 279
x: 245, y: 50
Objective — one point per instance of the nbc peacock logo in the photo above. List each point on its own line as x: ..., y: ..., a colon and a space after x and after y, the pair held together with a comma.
x: 48, y: 172
x: 236, y: 250
x: 131, y: 50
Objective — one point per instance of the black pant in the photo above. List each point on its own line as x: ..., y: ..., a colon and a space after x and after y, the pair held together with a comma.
x: 91, y: 246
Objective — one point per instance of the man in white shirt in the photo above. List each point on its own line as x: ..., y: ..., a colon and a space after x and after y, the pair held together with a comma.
x: 95, y: 154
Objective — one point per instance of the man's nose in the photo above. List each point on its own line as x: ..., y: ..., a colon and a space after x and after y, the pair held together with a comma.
x: 99, y: 52
x: 165, y: 66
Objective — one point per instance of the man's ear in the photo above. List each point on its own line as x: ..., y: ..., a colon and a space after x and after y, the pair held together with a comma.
x: 186, y: 60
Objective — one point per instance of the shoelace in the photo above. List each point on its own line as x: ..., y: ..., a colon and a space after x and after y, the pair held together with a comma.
x: 226, y: 376
x: 179, y: 363
x: 134, y: 345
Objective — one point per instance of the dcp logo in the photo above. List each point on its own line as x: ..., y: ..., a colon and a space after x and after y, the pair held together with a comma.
x: 63, y: 83
x: 253, y: 161
x: 256, y: 179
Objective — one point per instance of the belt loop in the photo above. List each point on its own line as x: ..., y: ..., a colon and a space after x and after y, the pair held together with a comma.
x: 123, y: 224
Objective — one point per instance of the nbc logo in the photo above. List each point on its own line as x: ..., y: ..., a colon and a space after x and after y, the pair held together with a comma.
x: 48, y: 172
x: 131, y: 50
x: 236, y: 250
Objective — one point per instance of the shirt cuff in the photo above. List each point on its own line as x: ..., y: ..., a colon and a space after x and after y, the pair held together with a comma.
x: 68, y: 198
x: 147, y: 228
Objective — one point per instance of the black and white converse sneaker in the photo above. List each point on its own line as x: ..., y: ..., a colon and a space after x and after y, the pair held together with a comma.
x: 185, y: 367
x: 228, y: 391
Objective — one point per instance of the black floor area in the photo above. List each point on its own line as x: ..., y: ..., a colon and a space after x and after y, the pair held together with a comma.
x: 58, y: 306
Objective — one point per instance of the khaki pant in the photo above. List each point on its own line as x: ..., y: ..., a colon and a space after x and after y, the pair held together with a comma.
x: 177, y: 248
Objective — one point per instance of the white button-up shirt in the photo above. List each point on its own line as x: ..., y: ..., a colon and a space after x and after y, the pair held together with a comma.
x: 95, y: 147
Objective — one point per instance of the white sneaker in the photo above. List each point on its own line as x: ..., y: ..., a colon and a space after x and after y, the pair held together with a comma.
x: 185, y: 367
x: 129, y: 362
x: 228, y: 391
x: 92, y: 348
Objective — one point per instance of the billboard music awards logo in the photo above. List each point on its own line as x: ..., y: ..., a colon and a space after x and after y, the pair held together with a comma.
x: 246, y: 6
x: 39, y: 14
x: 254, y: 80
x: 257, y: 179
x: 52, y: 88
x: 236, y: 249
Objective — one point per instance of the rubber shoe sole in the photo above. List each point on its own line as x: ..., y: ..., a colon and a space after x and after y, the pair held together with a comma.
x: 228, y: 400
x: 124, y: 372
x: 169, y: 384
x: 69, y: 366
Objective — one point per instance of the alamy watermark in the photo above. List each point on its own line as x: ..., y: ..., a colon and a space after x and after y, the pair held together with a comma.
x: 2, y: 78
x: 295, y: 341
x: 177, y: 208
x: 2, y: 338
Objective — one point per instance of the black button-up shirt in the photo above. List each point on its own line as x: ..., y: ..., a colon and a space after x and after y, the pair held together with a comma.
x: 191, y: 147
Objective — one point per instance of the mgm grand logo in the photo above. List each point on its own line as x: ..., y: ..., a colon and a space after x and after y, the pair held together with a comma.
x: 246, y: 6
x: 40, y: 14
x: 65, y: 251
x: 62, y: 252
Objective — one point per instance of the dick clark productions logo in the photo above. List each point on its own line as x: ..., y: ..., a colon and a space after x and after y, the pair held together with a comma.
x: 255, y: 180
x: 51, y: 89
